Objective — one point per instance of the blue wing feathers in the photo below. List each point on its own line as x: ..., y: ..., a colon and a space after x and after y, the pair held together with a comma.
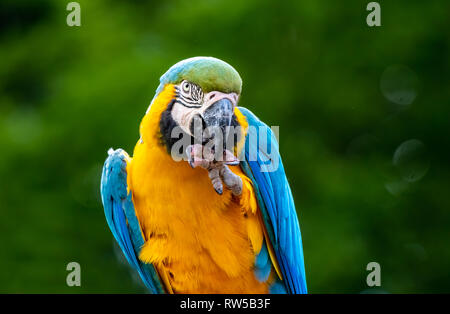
x: 248, y: 172
x: 262, y: 258
x: 262, y: 264
x: 277, y: 205
x: 121, y: 217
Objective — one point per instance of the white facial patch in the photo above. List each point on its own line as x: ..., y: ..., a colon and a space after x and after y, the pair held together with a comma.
x: 184, y: 115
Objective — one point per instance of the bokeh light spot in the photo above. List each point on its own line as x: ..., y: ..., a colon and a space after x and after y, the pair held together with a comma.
x: 411, y: 160
x: 399, y: 84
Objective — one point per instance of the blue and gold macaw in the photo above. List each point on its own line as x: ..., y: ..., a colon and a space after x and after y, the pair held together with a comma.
x: 199, y: 225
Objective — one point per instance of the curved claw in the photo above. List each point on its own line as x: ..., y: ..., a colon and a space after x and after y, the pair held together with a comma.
x: 214, y: 175
x: 229, y: 158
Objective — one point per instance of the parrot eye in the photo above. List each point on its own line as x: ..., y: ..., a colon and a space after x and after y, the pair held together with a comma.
x: 186, y: 87
x: 189, y: 94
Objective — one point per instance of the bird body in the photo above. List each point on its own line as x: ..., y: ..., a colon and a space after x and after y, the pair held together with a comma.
x: 205, y: 249
x: 180, y: 232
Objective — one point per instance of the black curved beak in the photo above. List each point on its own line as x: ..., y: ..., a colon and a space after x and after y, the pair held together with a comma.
x: 219, y: 114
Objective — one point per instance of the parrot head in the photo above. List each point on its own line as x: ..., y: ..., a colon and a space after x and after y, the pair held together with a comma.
x: 206, y: 93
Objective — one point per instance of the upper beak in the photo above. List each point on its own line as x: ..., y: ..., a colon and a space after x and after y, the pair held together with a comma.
x: 219, y: 109
x: 219, y: 114
x: 216, y: 115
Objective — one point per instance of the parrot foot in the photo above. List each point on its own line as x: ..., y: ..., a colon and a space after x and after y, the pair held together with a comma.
x: 218, y: 171
x: 231, y: 180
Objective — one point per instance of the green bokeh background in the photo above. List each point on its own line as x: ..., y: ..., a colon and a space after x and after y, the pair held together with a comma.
x: 363, y: 115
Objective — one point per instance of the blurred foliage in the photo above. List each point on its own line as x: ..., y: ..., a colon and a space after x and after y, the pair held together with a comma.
x: 363, y: 115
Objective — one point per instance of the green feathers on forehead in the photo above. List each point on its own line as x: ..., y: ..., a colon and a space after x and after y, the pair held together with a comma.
x: 209, y: 73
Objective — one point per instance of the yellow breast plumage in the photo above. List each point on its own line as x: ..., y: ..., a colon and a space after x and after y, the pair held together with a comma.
x: 199, y: 241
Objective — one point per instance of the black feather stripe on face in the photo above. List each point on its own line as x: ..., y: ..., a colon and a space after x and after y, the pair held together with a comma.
x: 166, y: 125
x: 191, y: 99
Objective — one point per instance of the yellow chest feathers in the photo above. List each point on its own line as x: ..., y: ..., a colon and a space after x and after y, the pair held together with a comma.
x: 205, y: 242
